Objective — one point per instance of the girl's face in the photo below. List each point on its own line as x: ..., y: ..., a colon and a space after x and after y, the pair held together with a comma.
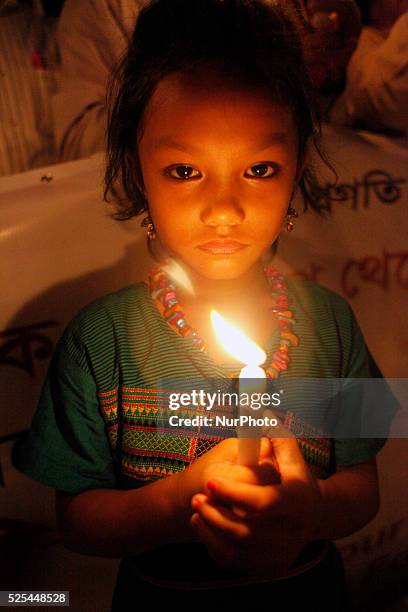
x: 219, y: 168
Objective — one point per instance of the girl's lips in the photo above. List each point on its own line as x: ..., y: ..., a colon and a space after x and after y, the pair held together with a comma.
x: 222, y: 247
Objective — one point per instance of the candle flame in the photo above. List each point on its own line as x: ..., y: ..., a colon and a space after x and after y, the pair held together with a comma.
x: 235, y: 342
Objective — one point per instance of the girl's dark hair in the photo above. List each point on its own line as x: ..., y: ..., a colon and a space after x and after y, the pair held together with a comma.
x: 365, y: 9
x: 250, y: 43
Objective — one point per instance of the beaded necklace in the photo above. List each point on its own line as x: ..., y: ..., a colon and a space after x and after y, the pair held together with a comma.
x: 163, y: 292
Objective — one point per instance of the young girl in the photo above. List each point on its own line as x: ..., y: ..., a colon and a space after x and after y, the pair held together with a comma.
x: 209, y: 132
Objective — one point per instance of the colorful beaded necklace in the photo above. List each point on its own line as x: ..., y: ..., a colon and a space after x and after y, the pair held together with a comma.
x: 163, y: 292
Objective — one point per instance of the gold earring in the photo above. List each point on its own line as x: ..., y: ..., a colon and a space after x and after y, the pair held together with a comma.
x: 291, y: 213
x: 148, y: 223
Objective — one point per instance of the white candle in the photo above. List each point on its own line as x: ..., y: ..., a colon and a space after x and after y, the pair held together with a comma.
x: 252, y: 379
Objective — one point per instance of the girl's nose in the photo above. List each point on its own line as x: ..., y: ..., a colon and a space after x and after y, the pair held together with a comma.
x: 223, y: 211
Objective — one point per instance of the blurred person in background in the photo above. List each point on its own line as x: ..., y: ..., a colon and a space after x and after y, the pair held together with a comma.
x: 375, y: 97
x: 91, y: 36
x: 331, y: 30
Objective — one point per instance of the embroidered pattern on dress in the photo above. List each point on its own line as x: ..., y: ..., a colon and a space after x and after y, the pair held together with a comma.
x: 150, y: 449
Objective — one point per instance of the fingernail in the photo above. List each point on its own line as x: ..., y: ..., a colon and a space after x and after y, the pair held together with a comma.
x: 198, y: 500
x: 212, y: 485
x: 195, y: 520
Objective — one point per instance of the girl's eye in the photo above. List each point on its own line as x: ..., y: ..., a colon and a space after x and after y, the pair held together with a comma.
x: 182, y: 172
x: 263, y: 170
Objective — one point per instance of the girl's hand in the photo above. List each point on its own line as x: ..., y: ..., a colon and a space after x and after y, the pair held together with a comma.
x: 275, y: 521
x: 219, y: 462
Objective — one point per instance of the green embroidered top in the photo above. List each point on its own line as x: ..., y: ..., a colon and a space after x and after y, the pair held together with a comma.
x: 96, y: 423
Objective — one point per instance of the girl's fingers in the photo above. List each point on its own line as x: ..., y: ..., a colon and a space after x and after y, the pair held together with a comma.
x: 265, y: 448
x: 278, y: 430
x: 221, y: 519
x: 248, y: 497
x: 284, y: 451
x: 274, y: 498
x: 259, y: 474
x: 289, y: 459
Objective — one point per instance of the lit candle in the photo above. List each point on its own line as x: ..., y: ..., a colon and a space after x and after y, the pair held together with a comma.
x: 252, y: 379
